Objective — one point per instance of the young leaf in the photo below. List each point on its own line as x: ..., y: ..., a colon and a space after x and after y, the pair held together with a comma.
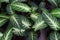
x: 32, y: 36
x: 8, y: 34
x: 39, y: 22
x: 54, y: 36
x: 50, y: 20
x: 53, y: 2
x: 56, y: 12
x: 20, y: 7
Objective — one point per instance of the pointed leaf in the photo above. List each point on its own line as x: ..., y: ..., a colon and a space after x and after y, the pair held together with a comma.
x: 54, y: 36
x: 20, y: 7
x: 50, y: 20
x: 39, y: 22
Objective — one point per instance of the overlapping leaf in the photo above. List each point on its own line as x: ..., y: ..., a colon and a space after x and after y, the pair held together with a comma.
x: 3, y: 19
x: 20, y: 7
x: 54, y: 36
x: 8, y: 33
x: 50, y: 20
x: 1, y: 34
x: 39, y: 22
x: 20, y: 23
x: 4, y: 1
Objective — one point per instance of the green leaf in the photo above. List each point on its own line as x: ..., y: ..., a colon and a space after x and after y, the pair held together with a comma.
x: 3, y: 19
x: 42, y: 5
x: 33, y: 6
x: 53, y: 2
x: 4, y: 1
x: 20, y: 23
x: 32, y: 36
x: 56, y: 12
x: 50, y: 20
x: 9, y: 10
x: 39, y: 23
x: 8, y: 33
x: 20, y: 7
x: 12, y: 1
x: 54, y: 36
x: 1, y: 34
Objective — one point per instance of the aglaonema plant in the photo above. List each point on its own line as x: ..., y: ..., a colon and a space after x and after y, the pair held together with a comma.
x: 34, y: 18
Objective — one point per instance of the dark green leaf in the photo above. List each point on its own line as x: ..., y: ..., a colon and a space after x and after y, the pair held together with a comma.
x: 53, y: 2
x: 56, y: 12
x: 50, y: 20
x: 4, y: 1
x: 33, y: 6
x: 9, y: 10
x: 20, y: 7
x: 54, y: 36
x: 8, y: 33
x: 32, y: 36
x: 20, y: 23
x: 3, y: 19
x: 39, y: 22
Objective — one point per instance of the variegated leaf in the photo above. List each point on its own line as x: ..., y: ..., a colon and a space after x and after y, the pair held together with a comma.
x: 8, y: 33
x: 1, y: 34
x: 50, y: 20
x: 56, y: 12
x: 3, y: 19
x: 20, y: 23
x: 20, y: 7
x: 54, y: 36
x: 53, y: 2
x: 9, y: 10
x: 39, y: 22
x: 32, y: 36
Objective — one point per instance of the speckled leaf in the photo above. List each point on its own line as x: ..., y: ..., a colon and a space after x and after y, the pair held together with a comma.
x: 56, y: 12
x: 54, y: 36
x: 50, y: 20
x: 20, y: 7
x: 39, y: 23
